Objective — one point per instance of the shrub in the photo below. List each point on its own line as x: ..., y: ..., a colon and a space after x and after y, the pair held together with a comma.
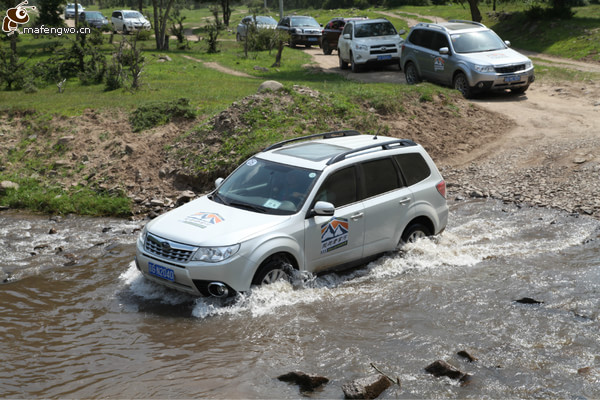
x: 160, y: 113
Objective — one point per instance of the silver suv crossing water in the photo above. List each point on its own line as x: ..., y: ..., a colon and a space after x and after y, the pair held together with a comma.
x: 336, y: 199
x: 466, y: 55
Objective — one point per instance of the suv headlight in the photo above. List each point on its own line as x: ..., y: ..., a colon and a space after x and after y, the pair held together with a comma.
x: 362, y: 47
x: 484, y: 68
x: 215, y: 254
x: 528, y: 64
x: 143, y: 235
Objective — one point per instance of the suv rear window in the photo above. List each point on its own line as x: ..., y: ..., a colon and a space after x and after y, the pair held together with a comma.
x: 413, y: 166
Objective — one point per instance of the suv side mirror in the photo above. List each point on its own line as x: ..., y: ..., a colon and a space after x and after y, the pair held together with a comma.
x: 507, y: 42
x: 218, y: 182
x: 347, y: 36
x: 444, y: 50
x: 324, y: 208
x: 401, y: 31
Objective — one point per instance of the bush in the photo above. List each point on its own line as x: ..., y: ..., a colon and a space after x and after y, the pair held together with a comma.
x: 160, y: 113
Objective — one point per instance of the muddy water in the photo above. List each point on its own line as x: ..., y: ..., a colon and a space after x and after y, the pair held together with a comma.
x: 77, y: 320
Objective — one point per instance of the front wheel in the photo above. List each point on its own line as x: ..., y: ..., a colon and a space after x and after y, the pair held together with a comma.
x: 415, y: 232
x: 355, y: 67
x: 273, y: 270
x: 326, y: 49
x: 343, y: 64
x: 462, y: 85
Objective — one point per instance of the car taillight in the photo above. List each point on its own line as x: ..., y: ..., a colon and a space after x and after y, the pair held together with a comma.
x: 441, y: 187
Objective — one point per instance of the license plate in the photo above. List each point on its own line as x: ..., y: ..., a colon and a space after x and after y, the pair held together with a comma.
x: 161, y: 272
x: 512, y: 78
x: 384, y: 57
x: 312, y: 39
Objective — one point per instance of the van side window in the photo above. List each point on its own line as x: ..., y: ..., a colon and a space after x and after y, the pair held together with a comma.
x: 380, y: 176
x: 339, y: 188
x: 413, y: 167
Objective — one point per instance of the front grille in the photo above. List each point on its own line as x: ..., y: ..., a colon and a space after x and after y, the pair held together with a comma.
x: 167, y: 249
x: 509, y: 69
x: 384, y: 49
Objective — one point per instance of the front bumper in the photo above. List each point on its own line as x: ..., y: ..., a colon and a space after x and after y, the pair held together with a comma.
x: 377, y: 56
x: 306, y: 39
x: 501, y: 81
x: 192, y: 277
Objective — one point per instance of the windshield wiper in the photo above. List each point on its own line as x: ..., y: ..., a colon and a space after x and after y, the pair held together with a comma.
x: 247, y: 206
x: 220, y: 198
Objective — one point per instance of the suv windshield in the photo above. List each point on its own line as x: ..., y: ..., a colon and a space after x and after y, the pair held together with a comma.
x: 305, y: 21
x: 267, y: 187
x: 475, y: 42
x: 374, y: 29
x: 132, y: 14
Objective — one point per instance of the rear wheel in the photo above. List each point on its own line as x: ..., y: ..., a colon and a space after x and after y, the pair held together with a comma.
x: 326, y: 49
x: 273, y: 270
x: 411, y: 74
x: 462, y: 85
x: 415, y: 232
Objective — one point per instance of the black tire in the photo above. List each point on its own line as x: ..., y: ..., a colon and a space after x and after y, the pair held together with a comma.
x: 462, y: 85
x: 343, y: 64
x: 411, y: 73
x: 519, y: 90
x: 125, y: 31
x: 238, y: 38
x: 415, y: 232
x: 292, y: 43
x: 272, y: 270
x: 326, y: 49
x: 356, y: 68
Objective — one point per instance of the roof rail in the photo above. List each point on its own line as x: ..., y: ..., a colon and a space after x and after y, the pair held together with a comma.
x: 326, y: 135
x: 384, y: 146
x: 468, y: 22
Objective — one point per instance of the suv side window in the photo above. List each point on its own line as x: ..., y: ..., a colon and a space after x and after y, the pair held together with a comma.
x: 380, y: 176
x: 438, y: 41
x: 339, y: 188
x: 116, y: 14
x: 416, y: 37
x: 413, y: 167
x: 348, y: 29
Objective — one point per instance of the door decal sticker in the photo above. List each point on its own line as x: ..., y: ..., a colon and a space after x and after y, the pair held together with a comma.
x: 334, y: 234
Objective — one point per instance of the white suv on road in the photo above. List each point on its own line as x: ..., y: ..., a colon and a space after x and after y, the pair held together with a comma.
x: 129, y: 21
x: 309, y: 205
x: 371, y: 41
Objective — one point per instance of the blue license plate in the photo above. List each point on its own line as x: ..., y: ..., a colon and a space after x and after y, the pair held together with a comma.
x: 384, y: 57
x: 161, y: 272
x: 312, y: 39
x: 512, y: 78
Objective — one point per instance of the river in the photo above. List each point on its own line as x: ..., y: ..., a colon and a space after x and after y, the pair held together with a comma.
x: 78, y: 320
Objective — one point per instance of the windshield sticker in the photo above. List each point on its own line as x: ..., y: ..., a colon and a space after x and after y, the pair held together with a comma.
x: 438, y: 64
x: 251, y: 163
x: 312, y: 175
x: 272, y: 203
x: 334, y: 234
x: 203, y: 219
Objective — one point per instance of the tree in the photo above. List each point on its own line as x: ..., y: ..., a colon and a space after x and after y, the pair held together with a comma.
x: 161, y: 8
x: 226, y: 9
x: 475, y: 13
x: 50, y: 13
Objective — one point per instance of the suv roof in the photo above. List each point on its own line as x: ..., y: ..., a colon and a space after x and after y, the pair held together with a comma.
x: 453, y: 25
x: 323, y: 149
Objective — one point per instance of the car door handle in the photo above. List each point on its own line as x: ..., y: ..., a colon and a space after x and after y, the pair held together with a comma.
x: 356, y: 216
x: 404, y: 200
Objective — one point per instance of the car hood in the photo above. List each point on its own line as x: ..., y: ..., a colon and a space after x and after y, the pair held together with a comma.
x: 498, y: 57
x: 204, y: 222
x: 141, y: 20
x: 379, y: 40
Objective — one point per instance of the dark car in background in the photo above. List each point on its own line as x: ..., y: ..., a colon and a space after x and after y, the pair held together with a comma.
x: 94, y: 18
x: 302, y: 30
x: 332, y: 31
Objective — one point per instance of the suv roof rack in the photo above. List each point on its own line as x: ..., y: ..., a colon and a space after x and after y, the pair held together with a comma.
x: 384, y: 146
x: 326, y: 135
x: 468, y: 22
